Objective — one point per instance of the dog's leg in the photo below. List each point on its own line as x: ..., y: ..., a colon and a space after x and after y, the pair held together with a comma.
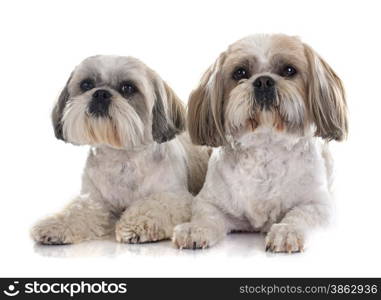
x: 154, y: 218
x: 289, y: 234
x: 83, y: 219
x: 208, y: 226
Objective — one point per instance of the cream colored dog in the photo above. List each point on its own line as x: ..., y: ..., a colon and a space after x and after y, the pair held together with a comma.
x: 271, y: 104
x: 139, y: 177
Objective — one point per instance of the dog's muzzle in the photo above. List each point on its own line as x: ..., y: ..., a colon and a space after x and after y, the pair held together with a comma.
x: 264, y: 91
x: 100, y: 103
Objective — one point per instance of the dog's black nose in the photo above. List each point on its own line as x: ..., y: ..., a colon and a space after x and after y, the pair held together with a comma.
x: 100, y: 102
x: 264, y: 82
x: 264, y: 90
x: 101, y: 95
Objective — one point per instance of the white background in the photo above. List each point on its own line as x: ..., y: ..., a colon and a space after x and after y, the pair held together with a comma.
x: 41, y: 42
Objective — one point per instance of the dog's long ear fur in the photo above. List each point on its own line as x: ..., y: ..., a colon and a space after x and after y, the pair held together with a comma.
x: 205, y: 108
x: 168, y: 113
x: 326, y: 99
x: 58, y: 110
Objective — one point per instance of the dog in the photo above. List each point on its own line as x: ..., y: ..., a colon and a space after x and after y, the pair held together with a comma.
x: 142, y: 170
x: 270, y: 104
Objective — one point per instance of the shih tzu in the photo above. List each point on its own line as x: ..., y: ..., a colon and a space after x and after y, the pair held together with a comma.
x: 139, y: 177
x: 272, y: 104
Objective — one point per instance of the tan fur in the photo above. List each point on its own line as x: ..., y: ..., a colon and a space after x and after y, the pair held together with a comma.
x: 326, y: 99
x: 278, y: 122
x: 197, y: 163
x: 205, y: 115
x: 176, y: 108
x: 104, y: 132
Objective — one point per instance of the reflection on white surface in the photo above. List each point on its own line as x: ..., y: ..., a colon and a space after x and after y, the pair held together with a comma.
x: 327, y: 253
x: 237, y: 244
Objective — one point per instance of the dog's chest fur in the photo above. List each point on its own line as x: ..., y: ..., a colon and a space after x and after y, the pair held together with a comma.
x: 123, y: 177
x: 267, y: 174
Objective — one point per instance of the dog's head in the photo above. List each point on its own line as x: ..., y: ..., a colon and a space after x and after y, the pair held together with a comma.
x: 267, y: 80
x: 117, y: 101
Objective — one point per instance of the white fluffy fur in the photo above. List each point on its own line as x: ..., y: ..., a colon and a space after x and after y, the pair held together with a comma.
x: 272, y: 171
x: 267, y: 181
x: 133, y: 187
x: 141, y: 193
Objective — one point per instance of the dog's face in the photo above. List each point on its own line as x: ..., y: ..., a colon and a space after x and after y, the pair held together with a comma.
x: 267, y: 80
x: 116, y: 101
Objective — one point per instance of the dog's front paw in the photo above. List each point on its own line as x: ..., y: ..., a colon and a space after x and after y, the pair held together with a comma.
x: 193, y: 236
x: 139, y: 229
x: 284, y: 238
x: 51, y: 231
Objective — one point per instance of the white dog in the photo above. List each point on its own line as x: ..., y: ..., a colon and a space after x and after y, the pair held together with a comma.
x: 139, y: 178
x: 272, y: 104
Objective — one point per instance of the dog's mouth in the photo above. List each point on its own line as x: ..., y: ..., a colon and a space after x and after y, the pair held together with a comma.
x: 103, y: 131
x: 269, y: 117
x: 252, y: 124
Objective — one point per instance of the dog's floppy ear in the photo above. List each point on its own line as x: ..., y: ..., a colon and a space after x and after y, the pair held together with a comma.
x: 326, y: 99
x: 58, y: 110
x: 205, y: 108
x: 168, y: 113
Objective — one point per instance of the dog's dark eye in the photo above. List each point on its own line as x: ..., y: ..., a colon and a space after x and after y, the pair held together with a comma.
x: 288, y: 71
x: 127, y: 89
x: 87, y: 85
x: 240, y: 73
